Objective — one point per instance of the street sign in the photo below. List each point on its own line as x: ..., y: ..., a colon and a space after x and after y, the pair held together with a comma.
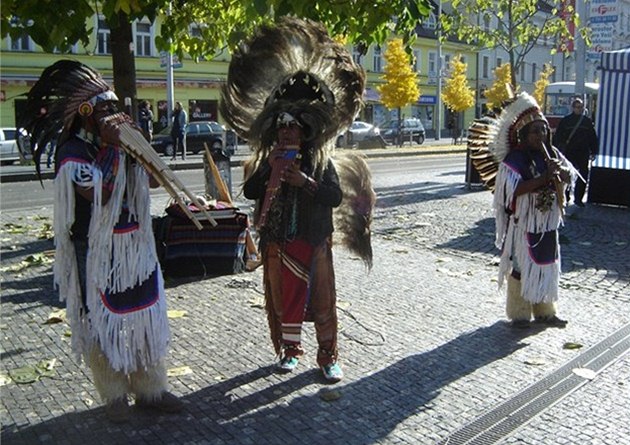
x: 603, y: 11
x: 164, y: 60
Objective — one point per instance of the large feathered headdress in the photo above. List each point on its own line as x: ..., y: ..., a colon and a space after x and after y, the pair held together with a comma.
x: 64, y: 89
x: 491, y: 139
x: 290, y: 66
x: 295, y: 68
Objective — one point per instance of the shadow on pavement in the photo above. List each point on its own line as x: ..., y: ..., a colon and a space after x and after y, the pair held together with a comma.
x: 234, y: 412
x: 405, y: 194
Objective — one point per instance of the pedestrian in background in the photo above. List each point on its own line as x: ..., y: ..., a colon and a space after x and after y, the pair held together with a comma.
x: 576, y: 138
x: 178, y: 131
x: 145, y: 119
x: 106, y: 266
x: 528, y: 205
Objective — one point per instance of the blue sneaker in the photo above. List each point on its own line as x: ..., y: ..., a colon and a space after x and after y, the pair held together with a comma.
x: 288, y: 363
x: 332, y: 372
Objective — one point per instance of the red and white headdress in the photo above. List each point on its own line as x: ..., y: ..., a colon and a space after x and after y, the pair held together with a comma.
x: 519, y: 113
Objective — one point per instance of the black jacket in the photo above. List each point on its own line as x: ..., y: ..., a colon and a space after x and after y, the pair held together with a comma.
x: 584, y: 139
x: 314, y: 212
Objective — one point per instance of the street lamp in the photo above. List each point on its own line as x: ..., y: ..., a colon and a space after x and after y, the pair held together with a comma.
x: 438, y: 98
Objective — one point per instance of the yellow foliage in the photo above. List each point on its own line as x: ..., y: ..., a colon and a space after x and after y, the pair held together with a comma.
x: 401, y: 83
x: 498, y: 92
x: 541, y: 84
x: 457, y: 95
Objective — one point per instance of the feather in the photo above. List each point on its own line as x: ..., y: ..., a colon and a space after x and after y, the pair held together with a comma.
x: 353, y: 217
x: 481, y: 133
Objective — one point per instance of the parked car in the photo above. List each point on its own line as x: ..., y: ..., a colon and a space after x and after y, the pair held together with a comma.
x: 411, y: 129
x: 9, y: 152
x: 197, y: 132
x: 358, y: 131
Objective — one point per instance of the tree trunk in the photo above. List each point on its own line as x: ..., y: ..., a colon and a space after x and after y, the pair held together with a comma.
x: 124, y: 63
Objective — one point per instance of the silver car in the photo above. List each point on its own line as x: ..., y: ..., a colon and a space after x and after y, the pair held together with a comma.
x: 358, y: 131
x: 9, y: 152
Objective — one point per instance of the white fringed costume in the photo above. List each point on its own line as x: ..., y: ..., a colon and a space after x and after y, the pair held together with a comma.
x: 526, y: 225
x: 133, y: 338
x: 106, y: 266
x: 515, y: 218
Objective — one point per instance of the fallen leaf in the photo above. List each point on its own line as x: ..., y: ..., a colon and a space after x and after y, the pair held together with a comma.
x: 4, y: 379
x: 537, y: 361
x: 180, y: 370
x: 56, y: 317
x: 443, y: 260
x: 585, y: 373
x: 173, y: 313
x: 45, y: 367
x: 25, y: 374
x: 571, y: 345
x: 330, y: 396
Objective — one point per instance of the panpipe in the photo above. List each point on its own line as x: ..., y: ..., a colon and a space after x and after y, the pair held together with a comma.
x: 557, y: 180
x: 291, y: 148
x: 134, y: 143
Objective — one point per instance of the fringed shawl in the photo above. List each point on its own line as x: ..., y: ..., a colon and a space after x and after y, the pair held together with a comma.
x: 117, y: 261
x: 515, y: 218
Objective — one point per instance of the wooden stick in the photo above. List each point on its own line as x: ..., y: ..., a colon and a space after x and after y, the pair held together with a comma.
x: 557, y: 181
x: 134, y: 143
x: 250, y: 246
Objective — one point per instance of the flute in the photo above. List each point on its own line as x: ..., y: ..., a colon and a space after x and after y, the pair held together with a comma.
x: 134, y: 143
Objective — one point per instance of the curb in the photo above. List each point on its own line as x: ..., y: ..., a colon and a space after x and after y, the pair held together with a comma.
x: 31, y: 175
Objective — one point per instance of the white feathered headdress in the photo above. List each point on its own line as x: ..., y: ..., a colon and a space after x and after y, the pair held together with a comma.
x: 491, y: 139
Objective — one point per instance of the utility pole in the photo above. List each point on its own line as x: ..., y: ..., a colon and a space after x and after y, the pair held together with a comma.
x: 170, y: 94
x: 580, y: 52
x: 438, y: 98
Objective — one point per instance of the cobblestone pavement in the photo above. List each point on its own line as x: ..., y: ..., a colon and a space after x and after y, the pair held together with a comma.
x: 424, y: 343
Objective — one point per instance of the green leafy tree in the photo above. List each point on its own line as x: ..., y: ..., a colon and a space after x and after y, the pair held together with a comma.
x: 457, y: 95
x: 59, y: 24
x: 401, y: 82
x: 517, y: 25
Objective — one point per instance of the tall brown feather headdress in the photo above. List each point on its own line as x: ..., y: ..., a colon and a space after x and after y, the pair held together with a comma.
x: 295, y: 67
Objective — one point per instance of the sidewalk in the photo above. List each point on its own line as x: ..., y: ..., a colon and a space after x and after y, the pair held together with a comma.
x: 424, y: 343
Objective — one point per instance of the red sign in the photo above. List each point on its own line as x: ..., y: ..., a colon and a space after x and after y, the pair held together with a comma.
x: 567, y: 44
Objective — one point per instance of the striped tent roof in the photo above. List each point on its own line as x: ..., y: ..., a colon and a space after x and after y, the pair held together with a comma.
x: 613, y: 112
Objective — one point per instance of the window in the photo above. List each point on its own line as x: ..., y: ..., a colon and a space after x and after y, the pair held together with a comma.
x: 432, y: 62
x: 22, y: 43
x: 143, y: 39
x: 486, y: 23
x: 356, y: 54
x: 522, y: 72
x: 416, y: 60
x: 430, y: 22
x: 103, y: 38
x: 499, y: 62
x: 485, y: 62
x: 553, y: 74
x: 377, y: 60
x: 534, y: 67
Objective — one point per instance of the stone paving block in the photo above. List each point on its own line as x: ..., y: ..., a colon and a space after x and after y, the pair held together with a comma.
x: 423, y: 340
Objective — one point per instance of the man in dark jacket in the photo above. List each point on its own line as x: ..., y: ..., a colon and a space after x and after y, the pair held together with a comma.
x: 576, y: 138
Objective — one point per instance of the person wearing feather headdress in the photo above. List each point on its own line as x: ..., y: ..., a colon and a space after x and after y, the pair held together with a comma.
x: 528, y: 202
x: 106, y: 265
x: 290, y: 90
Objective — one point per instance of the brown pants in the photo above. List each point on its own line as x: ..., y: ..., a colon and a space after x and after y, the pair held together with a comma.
x: 321, y: 306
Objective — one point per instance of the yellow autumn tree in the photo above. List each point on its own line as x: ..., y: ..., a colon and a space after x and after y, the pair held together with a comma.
x: 401, y: 82
x: 457, y: 95
x: 541, y: 84
x: 498, y: 92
